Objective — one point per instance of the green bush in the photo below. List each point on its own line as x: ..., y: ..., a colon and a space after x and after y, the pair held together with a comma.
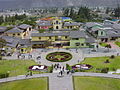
x: 105, y: 70
x: 112, y: 56
x: 117, y: 43
x: 68, y: 67
x: 4, y: 75
x: 0, y: 57
x: 51, y: 69
x: 77, y: 70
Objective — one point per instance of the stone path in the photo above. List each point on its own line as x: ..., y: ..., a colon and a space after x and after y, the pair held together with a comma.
x: 60, y: 83
x: 113, y: 45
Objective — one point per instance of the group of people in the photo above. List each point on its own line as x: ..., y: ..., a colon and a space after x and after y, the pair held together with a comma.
x: 62, y: 69
x: 23, y: 56
x: 29, y: 73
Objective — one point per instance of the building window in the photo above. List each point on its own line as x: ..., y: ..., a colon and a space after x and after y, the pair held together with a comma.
x: 49, y: 37
x: 18, y: 34
x: 101, y: 33
x: 75, y: 38
x: 39, y: 38
x: 82, y: 44
x: 77, y: 44
x: 66, y: 37
x: 13, y: 34
x: 56, y: 22
x: 57, y: 27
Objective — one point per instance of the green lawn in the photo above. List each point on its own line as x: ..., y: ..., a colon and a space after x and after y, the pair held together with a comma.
x: 98, y: 63
x: 103, y: 44
x: 117, y: 43
x: 96, y: 83
x: 29, y: 84
x: 16, y: 67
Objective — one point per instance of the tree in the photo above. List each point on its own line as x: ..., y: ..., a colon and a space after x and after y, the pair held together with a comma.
x: 117, y: 12
x: 42, y: 30
x: 2, y: 44
x: 1, y: 20
x: 107, y: 10
x: 66, y: 12
x: 83, y: 15
x: 71, y: 13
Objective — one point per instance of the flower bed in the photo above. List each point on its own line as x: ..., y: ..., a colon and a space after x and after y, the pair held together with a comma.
x: 38, y: 68
x: 82, y: 66
x: 59, y: 56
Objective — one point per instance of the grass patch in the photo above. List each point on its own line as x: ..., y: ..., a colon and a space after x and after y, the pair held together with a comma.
x: 16, y: 67
x: 29, y: 84
x: 117, y: 43
x: 103, y: 44
x: 96, y: 83
x: 98, y: 63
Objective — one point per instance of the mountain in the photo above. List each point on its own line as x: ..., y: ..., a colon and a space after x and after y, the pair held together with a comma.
x: 55, y: 3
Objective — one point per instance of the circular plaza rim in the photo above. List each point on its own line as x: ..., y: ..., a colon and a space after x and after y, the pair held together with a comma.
x: 59, y: 56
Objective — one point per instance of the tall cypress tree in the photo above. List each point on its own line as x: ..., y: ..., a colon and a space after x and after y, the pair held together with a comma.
x: 117, y: 12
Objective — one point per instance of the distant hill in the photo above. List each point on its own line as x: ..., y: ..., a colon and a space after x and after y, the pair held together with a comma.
x: 55, y: 3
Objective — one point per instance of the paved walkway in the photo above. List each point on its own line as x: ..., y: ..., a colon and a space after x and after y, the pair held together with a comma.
x: 60, y: 83
x: 77, y: 56
x: 113, y: 45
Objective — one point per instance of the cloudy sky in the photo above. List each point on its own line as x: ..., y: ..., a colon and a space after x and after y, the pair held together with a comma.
x: 45, y: 3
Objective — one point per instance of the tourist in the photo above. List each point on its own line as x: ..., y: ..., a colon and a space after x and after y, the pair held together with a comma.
x: 18, y: 56
x: 63, y: 69
x: 39, y: 62
x: 23, y: 56
x: 55, y: 66
x: 31, y: 73
x: 58, y: 65
x: 27, y: 74
x: 39, y: 57
x: 117, y: 54
x: 68, y: 72
x: 29, y: 56
x: 61, y: 73
x: 72, y: 71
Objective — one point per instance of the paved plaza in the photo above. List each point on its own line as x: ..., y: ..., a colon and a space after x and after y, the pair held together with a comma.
x: 65, y: 82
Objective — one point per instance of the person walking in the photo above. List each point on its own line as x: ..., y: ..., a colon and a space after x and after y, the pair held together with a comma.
x: 68, y: 72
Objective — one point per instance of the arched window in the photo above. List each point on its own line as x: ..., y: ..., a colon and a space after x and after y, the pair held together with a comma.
x: 57, y: 27
x: 57, y: 22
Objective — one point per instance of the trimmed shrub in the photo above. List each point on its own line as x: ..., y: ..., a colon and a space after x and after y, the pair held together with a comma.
x: 4, y: 75
x: 51, y: 68
x: 68, y: 67
x: 112, y: 56
x: 107, y: 61
x: 105, y: 70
